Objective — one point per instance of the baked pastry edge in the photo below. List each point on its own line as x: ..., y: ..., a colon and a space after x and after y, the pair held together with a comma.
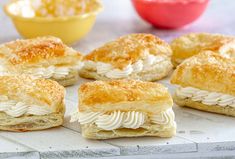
x: 91, y: 133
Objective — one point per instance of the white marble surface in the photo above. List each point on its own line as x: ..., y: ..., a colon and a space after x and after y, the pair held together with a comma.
x: 199, y: 134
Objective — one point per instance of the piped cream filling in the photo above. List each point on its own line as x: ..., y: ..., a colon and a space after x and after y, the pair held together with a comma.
x: 206, y: 97
x: 49, y: 72
x: 106, y: 69
x: 118, y: 119
x: 17, y: 109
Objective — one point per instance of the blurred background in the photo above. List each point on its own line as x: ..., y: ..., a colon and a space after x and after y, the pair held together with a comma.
x: 119, y: 18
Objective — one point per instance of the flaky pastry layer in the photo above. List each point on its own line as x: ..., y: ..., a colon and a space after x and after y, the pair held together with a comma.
x: 93, y: 132
x: 18, y: 55
x: 30, y: 122
x: 129, y: 49
x: 33, y: 91
x: 207, y: 71
x: 157, y: 72
x: 123, y: 95
x: 188, y: 45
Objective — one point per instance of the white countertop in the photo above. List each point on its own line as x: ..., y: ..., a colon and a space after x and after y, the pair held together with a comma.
x: 199, y: 134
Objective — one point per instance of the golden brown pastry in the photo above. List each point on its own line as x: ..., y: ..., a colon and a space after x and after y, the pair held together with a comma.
x: 45, y: 57
x: 124, y: 108
x: 134, y: 56
x: 206, y: 82
x: 27, y: 103
x: 191, y: 44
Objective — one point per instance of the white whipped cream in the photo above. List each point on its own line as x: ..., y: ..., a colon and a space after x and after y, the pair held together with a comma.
x: 110, y: 122
x: 133, y: 120
x: 85, y: 118
x: 206, y: 97
x: 17, y: 109
x: 117, y: 73
x: 49, y: 72
x: 109, y: 71
x: 118, y: 119
x: 163, y: 118
x: 52, y: 71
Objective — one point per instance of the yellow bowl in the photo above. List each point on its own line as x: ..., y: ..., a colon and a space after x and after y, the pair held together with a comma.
x: 69, y: 28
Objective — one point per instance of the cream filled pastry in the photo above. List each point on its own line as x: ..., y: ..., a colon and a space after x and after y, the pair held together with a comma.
x: 134, y: 56
x: 206, y: 82
x: 27, y: 103
x: 206, y: 97
x: 45, y: 57
x: 124, y: 108
x: 189, y: 45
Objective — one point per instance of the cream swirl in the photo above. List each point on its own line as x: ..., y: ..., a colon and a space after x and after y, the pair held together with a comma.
x: 163, y: 118
x: 138, y: 66
x: 106, y: 69
x: 85, y: 118
x: 38, y: 110
x: 61, y: 72
x: 90, y: 65
x: 51, y: 71
x: 206, y: 97
x: 110, y: 122
x: 103, y: 68
x: 118, y: 119
x: 17, y: 109
x: 133, y: 120
x: 117, y: 73
x: 151, y: 60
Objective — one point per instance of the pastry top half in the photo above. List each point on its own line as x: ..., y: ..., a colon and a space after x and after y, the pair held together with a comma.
x: 207, y: 71
x: 123, y: 95
x: 38, y: 52
x: 19, y: 94
x: 129, y: 49
x: 191, y: 44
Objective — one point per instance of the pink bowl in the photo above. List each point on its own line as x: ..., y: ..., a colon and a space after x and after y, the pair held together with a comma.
x: 170, y: 14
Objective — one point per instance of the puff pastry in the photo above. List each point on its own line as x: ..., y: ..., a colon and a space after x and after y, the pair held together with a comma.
x: 206, y: 82
x: 27, y: 103
x: 124, y: 108
x: 45, y: 57
x: 134, y: 56
x: 191, y: 44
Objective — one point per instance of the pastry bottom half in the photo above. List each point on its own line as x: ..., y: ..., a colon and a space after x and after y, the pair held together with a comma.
x: 93, y: 132
x: 30, y: 122
x: 155, y: 73
x: 230, y: 111
x: 68, y: 80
